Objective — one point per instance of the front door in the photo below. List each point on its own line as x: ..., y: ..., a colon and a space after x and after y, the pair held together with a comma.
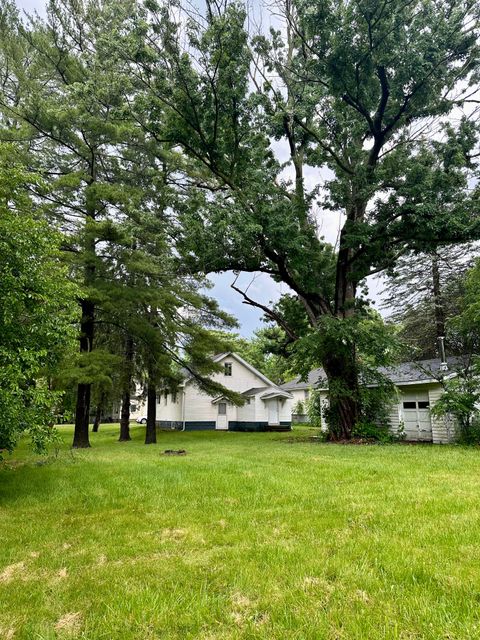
x: 416, y: 417
x: 273, y: 415
x: 222, y: 420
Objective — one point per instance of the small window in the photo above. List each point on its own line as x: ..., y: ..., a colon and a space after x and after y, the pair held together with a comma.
x: 133, y: 407
x: 228, y: 368
x: 306, y: 394
x: 165, y: 395
x: 409, y: 405
x: 222, y: 408
x: 159, y: 398
x: 247, y: 401
x: 174, y: 398
x: 423, y: 404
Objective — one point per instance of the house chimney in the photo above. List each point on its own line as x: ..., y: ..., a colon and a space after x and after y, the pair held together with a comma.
x: 441, y: 346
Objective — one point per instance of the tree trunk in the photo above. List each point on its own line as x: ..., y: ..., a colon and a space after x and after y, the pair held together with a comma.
x: 87, y: 323
x: 98, y: 414
x: 151, y: 430
x: 339, y: 364
x: 125, y: 417
x: 82, y: 409
x: 126, y: 393
x: 344, y: 405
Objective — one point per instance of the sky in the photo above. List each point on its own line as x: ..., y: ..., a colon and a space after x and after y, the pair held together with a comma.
x: 260, y: 286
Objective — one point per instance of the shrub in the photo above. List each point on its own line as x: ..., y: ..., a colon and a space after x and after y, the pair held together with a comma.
x: 299, y: 409
x: 314, y: 409
x: 372, y: 431
x: 461, y: 400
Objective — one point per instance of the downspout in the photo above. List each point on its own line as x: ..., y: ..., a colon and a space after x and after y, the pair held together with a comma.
x: 183, y: 410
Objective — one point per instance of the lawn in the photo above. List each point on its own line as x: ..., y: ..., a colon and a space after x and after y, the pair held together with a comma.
x: 248, y: 536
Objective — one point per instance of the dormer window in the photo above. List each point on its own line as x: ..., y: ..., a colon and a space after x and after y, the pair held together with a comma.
x: 228, y: 368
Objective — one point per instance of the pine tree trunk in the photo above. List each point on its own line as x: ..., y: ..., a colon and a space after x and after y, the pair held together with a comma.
x: 126, y: 393
x: 151, y: 430
x: 125, y: 417
x: 82, y: 409
x: 98, y: 415
x: 87, y: 323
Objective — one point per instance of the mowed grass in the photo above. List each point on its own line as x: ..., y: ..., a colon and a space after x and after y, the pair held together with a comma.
x: 248, y: 536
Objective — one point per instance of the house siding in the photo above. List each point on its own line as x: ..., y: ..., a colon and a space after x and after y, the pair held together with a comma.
x: 194, y: 409
x: 443, y: 428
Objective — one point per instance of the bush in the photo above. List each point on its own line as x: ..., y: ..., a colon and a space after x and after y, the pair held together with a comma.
x: 471, y: 435
x: 314, y: 410
x: 371, y: 431
x: 461, y: 399
x: 299, y: 409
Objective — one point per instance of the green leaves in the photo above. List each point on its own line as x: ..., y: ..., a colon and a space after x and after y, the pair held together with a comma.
x: 37, y: 305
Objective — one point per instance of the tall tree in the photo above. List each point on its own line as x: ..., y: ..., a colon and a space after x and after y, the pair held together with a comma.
x: 350, y: 89
x: 37, y: 305
x: 64, y: 91
x: 424, y: 292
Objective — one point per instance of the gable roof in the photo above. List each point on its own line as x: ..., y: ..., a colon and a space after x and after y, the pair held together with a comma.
x: 253, y: 391
x: 421, y: 372
x: 236, y: 357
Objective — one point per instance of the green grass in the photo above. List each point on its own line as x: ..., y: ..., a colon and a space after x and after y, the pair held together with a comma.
x: 248, y: 536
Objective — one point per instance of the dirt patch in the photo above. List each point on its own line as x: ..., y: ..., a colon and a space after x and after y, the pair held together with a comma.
x: 69, y: 624
x: 311, y: 581
x: 173, y: 534
x: 12, y: 571
x: 241, y: 608
x: 7, y: 634
x: 63, y: 573
x: 174, y: 452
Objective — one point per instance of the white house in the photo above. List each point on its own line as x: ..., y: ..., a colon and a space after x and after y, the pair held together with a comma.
x: 267, y: 407
x: 419, y: 386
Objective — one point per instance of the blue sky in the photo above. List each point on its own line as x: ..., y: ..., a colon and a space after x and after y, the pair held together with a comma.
x: 262, y: 288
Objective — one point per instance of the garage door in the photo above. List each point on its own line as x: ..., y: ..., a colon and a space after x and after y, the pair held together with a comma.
x: 416, y: 416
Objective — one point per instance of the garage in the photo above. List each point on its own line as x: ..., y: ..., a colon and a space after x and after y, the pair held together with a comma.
x: 415, y: 410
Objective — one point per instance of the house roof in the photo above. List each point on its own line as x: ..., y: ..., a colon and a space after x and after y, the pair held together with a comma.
x: 405, y: 373
x: 253, y: 391
x: 276, y: 392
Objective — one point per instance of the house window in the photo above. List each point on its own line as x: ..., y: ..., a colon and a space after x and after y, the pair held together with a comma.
x: 165, y: 395
x: 409, y: 405
x: 423, y: 404
x: 174, y: 398
x: 222, y: 408
x: 228, y: 368
x: 306, y: 394
x: 159, y: 398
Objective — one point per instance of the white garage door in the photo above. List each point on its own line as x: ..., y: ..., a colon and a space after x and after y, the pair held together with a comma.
x: 416, y: 416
